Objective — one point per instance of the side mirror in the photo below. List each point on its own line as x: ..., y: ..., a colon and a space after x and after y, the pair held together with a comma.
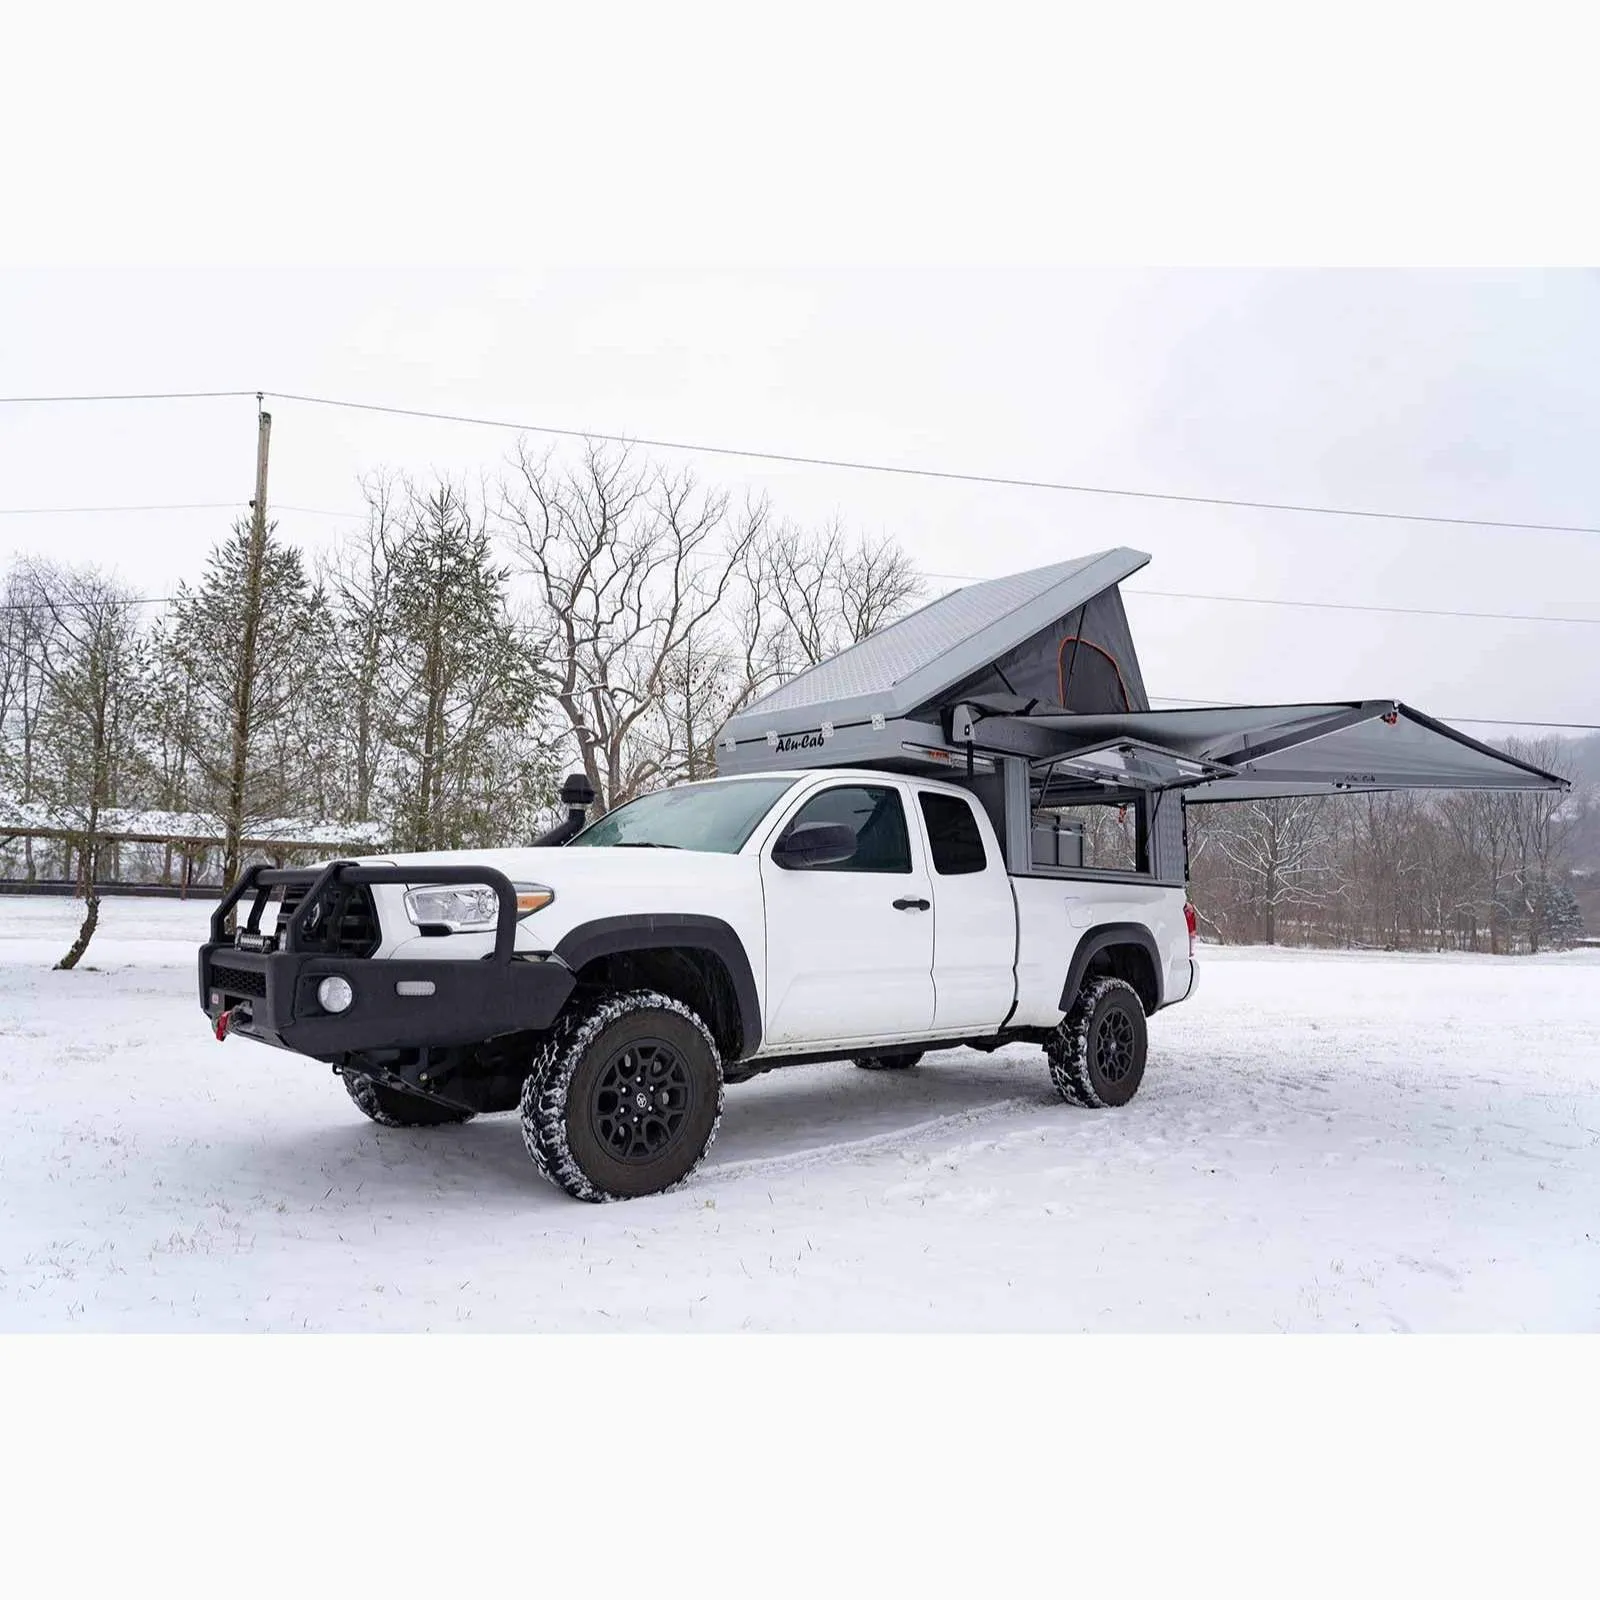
x: 815, y: 844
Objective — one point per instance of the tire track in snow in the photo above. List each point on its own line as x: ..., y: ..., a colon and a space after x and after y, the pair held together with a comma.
x: 913, y: 1134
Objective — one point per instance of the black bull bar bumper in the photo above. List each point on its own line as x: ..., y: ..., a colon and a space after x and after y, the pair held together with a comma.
x: 269, y: 993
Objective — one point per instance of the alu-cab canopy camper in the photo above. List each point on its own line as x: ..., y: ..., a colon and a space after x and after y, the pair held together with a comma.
x: 1028, y: 689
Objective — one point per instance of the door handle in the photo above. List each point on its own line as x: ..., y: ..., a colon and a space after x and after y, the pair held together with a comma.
x: 913, y: 905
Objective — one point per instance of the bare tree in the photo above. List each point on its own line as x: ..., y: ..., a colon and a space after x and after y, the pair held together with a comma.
x: 630, y: 565
x: 1278, y: 853
x: 27, y: 644
x: 1484, y: 825
x: 820, y: 590
x: 359, y: 581
x: 1542, y: 824
x: 97, y: 682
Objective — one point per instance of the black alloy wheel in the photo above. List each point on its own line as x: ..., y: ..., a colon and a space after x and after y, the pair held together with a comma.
x: 1113, y: 1046
x: 624, y: 1096
x: 642, y: 1098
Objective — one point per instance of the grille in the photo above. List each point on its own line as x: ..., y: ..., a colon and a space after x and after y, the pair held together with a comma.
x: 240, y: 981
x: 347, y: 924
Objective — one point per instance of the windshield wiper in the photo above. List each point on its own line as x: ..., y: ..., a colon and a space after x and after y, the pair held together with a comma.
x: 643, y: 844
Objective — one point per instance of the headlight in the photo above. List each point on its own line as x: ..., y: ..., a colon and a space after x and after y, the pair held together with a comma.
x: 471, y: 906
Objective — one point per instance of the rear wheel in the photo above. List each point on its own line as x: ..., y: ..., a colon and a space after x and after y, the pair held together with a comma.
x: 1097, y: 1053
x: 889, y: 1061
x: 624, y: 1098
x: 394, y: 1108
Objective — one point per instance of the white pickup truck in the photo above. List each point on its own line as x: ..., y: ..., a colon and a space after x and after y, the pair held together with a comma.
x: 827, y: 897
x: 692, y: 938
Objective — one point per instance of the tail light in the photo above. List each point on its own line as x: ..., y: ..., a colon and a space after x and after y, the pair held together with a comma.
x: 1191, y: 922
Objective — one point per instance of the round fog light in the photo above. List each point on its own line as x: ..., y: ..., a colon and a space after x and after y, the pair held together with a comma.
x: 335, y: 994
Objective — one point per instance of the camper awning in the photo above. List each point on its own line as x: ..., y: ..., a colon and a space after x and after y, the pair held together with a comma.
x: 1274, y: 751
x: 1041, y: 665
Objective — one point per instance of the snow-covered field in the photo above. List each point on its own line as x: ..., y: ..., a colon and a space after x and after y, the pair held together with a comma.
x: 1322, y: 1142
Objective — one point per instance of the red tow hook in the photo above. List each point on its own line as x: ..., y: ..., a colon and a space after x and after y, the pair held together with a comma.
x: 223, y: 1023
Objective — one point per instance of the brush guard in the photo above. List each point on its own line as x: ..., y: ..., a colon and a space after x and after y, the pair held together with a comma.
x: 264, y: 986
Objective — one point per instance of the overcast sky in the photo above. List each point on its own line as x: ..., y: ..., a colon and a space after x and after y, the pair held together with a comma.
x: 1470, y: 395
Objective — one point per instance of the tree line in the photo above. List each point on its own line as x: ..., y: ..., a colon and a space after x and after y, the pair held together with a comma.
x: 435, y: 674
x: 1466, y: 870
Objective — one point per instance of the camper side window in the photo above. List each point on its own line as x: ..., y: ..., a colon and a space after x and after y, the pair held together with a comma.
x: 1098, y: 835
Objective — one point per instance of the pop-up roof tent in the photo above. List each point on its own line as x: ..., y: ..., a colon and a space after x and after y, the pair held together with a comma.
x: 1035, y: 676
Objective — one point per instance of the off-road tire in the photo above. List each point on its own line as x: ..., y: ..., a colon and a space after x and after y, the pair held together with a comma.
x: 394, y: 1108
x: 889, y: 1061
x: 563, y: 1121
x: 1097, y: 1052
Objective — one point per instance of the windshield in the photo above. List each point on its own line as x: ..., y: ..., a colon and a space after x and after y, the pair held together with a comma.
x: 705, y: 816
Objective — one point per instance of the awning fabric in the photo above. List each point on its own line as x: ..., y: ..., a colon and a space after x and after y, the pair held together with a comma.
x: 1332, y: 748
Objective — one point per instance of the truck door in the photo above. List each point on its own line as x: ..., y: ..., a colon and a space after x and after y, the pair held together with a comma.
x: 850, y: 945
x: 974, y: 917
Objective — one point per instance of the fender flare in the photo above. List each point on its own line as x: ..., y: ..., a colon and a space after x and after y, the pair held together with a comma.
x: 609, y: 936
x: 1103, y: 937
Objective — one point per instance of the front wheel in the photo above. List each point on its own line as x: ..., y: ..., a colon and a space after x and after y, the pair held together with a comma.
x: 624, y: 1097
x: 1097, y: 1052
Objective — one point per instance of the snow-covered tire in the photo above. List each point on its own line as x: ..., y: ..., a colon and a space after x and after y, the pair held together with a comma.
x: 583, y: 1119
x: 394, y: 1108
x: 1097, y: 1052
x: 889, y: 1061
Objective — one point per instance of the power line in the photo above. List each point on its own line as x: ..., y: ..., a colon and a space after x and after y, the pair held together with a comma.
x: 1338, y: 605
x: 956, y: 577
x: 1322, y: 605
x: 922, y: 472
x: 1486, y: 722
x: 1164, y: 594
x: 1176, y: 700
x: 839, y: 462
x: 81, y: 511
x: 87, y: 399
x: 192, y: 505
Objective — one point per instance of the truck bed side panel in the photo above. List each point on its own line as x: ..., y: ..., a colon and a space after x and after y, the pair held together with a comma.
x: 1055, y: 913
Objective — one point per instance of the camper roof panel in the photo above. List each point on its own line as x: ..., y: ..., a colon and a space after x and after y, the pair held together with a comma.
x: 911, y: 662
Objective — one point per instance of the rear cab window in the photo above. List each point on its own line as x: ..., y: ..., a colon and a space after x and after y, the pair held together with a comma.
x: 955, y: 841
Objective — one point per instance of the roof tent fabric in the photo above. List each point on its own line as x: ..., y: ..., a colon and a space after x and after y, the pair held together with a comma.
x: 1084, y: 662
x: 1337, y: 747
x: 959, y: 638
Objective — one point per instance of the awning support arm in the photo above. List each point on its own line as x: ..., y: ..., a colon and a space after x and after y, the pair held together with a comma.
x: 1336, y: 723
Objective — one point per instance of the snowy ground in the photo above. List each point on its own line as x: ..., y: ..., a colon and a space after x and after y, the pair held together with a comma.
x: 1322, y: 1142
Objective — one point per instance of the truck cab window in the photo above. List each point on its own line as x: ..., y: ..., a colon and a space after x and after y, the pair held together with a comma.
x: 953, y: 834
x: 878, y: 820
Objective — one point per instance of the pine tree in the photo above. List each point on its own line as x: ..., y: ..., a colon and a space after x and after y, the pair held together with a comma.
x: 205, y: 642
x: 460, y: 694
x: 1559, y: 914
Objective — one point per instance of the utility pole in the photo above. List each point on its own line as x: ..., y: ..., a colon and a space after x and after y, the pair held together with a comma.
x: 244, y: 680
